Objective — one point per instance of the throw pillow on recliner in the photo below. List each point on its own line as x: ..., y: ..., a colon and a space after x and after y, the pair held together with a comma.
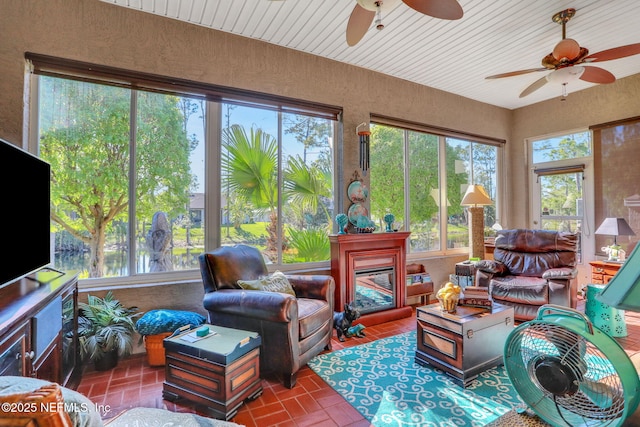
x: 277, y: 282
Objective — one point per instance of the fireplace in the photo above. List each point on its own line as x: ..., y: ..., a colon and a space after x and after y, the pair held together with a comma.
x: 374, y: 289
x: 369, y: 270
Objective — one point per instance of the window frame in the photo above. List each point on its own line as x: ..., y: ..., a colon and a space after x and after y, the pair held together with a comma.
x: 583, y: 164
x: 215, y: 96
x: 443, y: 134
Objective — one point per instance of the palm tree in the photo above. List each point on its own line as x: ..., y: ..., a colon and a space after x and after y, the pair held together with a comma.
x: 305, y: 186
x: 250, y: 163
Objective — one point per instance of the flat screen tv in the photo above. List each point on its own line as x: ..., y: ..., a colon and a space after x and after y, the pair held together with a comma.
x: 25, y: 213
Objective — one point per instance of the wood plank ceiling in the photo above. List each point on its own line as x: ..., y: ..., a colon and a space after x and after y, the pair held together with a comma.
x: 494, y: 36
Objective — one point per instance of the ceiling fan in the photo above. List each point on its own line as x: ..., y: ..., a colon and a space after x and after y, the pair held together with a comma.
x: 569, y: 60
x: 366, y: 10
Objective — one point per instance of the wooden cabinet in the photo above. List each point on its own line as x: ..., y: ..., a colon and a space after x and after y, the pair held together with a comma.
x: 13, y: 351
x: 37, y: 339
x: 357, y: 258
x: 603, y: 271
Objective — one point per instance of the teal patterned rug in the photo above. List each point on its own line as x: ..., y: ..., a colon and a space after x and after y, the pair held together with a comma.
x: 382, y: 381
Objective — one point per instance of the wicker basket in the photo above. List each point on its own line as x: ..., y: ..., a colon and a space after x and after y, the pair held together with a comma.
x: 155, y: 348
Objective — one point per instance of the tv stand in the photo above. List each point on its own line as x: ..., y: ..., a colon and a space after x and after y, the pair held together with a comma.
x: 37, y: 276
x: 38, y: 324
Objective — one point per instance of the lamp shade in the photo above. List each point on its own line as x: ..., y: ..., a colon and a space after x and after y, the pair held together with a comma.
x: 476, y: 195
x: 615, y: 227
x: 623, y: 290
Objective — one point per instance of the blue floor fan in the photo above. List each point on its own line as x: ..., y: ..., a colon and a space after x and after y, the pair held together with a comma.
x: 569, y: 372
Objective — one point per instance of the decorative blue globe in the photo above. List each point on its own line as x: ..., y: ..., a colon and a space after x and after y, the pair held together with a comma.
x: 388, y: 219
x: 341, y: 220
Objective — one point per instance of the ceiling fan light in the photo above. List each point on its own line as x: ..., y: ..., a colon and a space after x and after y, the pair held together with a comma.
x: 568, y: 49
x: 565, y: 75
x: 383, y: 6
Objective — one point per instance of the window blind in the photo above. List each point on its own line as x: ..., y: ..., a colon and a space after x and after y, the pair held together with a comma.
x: 94, y: 73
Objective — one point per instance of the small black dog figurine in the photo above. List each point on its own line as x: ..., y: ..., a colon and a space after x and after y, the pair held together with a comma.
x: 342, y: 321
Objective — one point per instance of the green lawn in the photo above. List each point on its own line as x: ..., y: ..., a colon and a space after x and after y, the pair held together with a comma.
x: 254, y: 234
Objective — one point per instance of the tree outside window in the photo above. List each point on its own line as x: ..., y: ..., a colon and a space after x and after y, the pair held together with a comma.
x: 406, y: 165
x: 129, y: 187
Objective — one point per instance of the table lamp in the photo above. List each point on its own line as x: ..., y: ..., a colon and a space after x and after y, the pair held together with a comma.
x: 476, y: 198
x: 614, y: 227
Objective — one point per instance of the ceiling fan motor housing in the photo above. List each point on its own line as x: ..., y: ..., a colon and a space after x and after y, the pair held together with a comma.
x: 374, y: 5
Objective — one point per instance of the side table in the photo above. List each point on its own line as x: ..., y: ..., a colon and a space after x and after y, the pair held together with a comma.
x: 219, y: 372
x: 465, y: 273
x: 608, y: 319
x: 603, y: 271
x: 465, y: 343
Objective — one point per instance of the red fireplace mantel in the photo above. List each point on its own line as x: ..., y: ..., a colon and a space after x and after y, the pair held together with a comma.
x: 351, y: 252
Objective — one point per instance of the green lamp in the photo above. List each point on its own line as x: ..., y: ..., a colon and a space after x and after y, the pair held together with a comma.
x: 623, y: 290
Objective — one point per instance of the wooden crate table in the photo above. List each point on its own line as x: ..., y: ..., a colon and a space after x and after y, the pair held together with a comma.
x: 465, y: 343
x: 219, y: 372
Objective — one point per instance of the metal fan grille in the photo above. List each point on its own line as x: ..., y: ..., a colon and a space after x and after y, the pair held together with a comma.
x: 567, y: 377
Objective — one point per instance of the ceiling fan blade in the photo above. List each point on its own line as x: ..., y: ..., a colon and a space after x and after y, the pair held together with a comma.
x: 441, y: 9
x: 534, y: 86
x: 597, y: 75
x: 516, y: 73
x: 615, y: 53
x: 359, y: 22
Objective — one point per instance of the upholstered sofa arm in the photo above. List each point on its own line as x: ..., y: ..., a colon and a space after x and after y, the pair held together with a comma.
x: 313, y: 286
x: 487, y: 269
x: 491, y: 266
x: 566, y: 273
x: 261, y: 305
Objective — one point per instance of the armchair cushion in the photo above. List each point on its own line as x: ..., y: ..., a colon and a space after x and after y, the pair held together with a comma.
x: 520, y: 289
x: 277, y: 282
x: 260, y: 305
x: 311, y: 315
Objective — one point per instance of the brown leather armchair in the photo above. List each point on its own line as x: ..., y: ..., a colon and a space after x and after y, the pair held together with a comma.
x: 531, y: 268
x: 293, y: 329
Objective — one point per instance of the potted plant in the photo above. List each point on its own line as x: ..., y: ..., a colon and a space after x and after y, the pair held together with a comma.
x: 105, y: 329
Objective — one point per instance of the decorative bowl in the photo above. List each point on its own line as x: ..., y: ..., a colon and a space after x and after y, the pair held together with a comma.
x: 450, y: 304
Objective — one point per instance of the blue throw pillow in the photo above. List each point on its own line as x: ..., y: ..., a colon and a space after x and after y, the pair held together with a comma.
x: 158, y: 321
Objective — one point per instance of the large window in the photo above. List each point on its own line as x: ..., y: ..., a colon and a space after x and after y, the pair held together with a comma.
x: 420, y: 177
x: 277, y: 183
x: 558, y: 183
x: 136, y: 173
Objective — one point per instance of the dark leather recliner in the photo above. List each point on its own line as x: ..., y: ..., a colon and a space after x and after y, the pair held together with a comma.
x: 293, y: 329
x: 531, y: 268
